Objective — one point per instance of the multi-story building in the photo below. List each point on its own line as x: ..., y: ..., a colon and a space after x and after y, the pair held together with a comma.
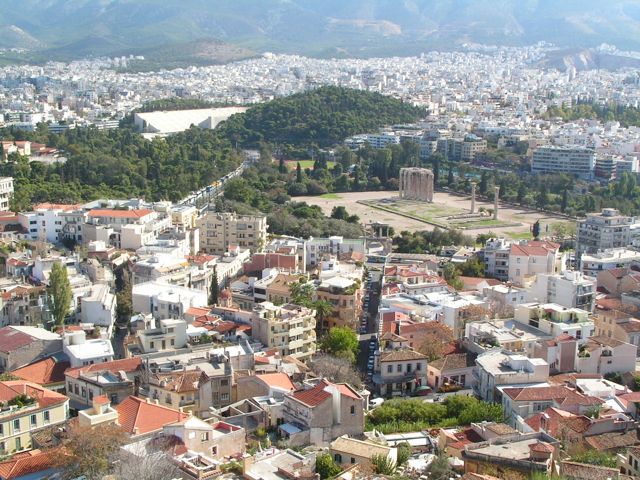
x: 175, y: 389
x: 6, y: 192
x: 496, y: 258
x: 163, y: 300
x: 289, y: 328
x: 603, y: 231
x: 345, y: 295
x: 570, y: 289
x: 592, y: 264
x: 618, y: 325
x: 527, y: 259
x: 573, y: 160
x: 98, y: 307
x: 400, y: 372
x: 20, y: 346
x: 115, y: 380
x: 22, y: 305
x: 83, y: 351
x: 171, y: 334
x: 321, y: 413
x: 28, y: 408
x: 46, y: 221
x: 556, y: 320
x: 317, y: 249
x: 128, y: 229
x: 219, y: 231
x: 497, y: 368
x: 604, y: 355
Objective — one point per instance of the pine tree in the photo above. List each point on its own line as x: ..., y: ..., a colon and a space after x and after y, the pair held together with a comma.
x: 563, y: 204
x: 450, y: 177
x: 298, y: 173
x: 214, y: 290
x: 282, y: 168
x: 535, y: 230
x: 59, y: 293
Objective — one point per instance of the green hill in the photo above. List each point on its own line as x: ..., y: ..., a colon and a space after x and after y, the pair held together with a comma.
x: 324, y: 116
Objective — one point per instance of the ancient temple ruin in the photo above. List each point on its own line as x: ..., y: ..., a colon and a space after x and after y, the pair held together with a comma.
x: 416, y: 184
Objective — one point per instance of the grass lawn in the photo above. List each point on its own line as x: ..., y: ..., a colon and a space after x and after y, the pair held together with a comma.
x: 331, y: 196
x: 519, y: 235
x: 293, y: 164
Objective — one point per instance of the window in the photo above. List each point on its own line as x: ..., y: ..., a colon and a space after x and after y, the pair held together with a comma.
x: 34, y: 421
x: 224, y: 397
x: 3, y: 447
x: 353, y: 460
x: 204, y: 437
x: 18, y: 443
x: 408, y: 368
x: 338, y: 458
x: 418, y: 366
x: 389, y: 368
x: 399, y: 368
x: 151, y: 345
x: 2, y: 429
x: 47, y: 416
x: 16, y: 425
x: 84, y: 392
x: 224, y: 382
x: 353, y: 409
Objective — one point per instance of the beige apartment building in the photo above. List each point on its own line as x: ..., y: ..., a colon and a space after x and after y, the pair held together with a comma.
x: 28, y: 407
x: 345, y: 294
x: 289, y: 328
x: 219, y: 231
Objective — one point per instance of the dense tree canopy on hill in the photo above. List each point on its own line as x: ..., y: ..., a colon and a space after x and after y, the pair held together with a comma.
x: 627, y: 116
x: 119, y: 164
x: 324, y: 116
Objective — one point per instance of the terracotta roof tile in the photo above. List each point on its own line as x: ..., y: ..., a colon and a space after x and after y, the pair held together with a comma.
x: 138, y: 417
x: 44, y: 372
x: 614, y: 440
x: 401, y: 355
x: 106, y: 212
x: 30, y: 462
x: 126, y: 365
x: 12, y: 339
x: 316, y: 395
x: 279, y: 380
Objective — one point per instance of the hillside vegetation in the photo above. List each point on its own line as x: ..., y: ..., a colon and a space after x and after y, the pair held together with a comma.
x: 324, y: 116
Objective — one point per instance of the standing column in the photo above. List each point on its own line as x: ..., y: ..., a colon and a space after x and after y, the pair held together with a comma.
x: 496, y: 194
x: 473, y: 198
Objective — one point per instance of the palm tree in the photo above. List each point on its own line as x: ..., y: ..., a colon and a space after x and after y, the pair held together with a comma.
x: 324, y: 309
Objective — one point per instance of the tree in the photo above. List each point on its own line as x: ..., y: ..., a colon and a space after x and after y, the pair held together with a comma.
x: 339, y: 212
x: 214, y: 289
x: 535, y: 230
x: 435, y: 342
x: 543, y: 196
x: 323, y: 309
x: 298, y: 173
x: 451, y: 274
x: 482, y: 187
x: 335, y: 369
x: 339, y: 340
x: 89, y: 451
x: 383, y: 465
x: 472, y: 268
x: 154, y: 463
x: 326, y: 467
x: 59, y: 293
x: 565, y: 199
x: 282, y: 167
x: 404, y: 452
x: 301, y: 293
x: 450, y: 178
x: 124, y: 300
x: 439, y: 468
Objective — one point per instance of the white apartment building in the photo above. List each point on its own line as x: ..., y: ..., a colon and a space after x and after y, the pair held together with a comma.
x: 98, y: 306
x: 496, y: 258
x: 527, y: 259
x: 573, y: 160
x: 6, y: 192
x: 556, y: 320
x: 166, y: 301
x: 568, y: 289
x: 82, y: 351
x: 46, y: 221
x: 220, y: 231
x: 603, y: 231
x: 592, y: 264
x: 171, y: 334
x: 317, y: 249
x: 126, y: 229
x: 497, y: 368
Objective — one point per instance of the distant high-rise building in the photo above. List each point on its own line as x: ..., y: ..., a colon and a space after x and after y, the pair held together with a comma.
x: 573, y: 160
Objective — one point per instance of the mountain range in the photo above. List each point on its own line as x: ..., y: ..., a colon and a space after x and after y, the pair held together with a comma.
x: 66, y: 29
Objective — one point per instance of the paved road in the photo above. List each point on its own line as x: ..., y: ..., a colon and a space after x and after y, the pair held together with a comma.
x: 370, y: 315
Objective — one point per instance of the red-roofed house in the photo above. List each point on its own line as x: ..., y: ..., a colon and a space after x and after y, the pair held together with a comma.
x: 531, y: 258
x: 264, y: 385
x: 30, y: 465
x: 322, y: 413
x: 526, y: 401
x: 27, y: 407
x: 139, y: 417
x: 126, y: 229
x: 20, y: 346
x: 48, y: 372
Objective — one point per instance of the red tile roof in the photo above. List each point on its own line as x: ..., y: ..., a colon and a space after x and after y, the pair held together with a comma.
x: 44, y: 372
x: 317, y: 395
x: 126, y: 365
x: 559, y: 393
x: 136, y: 416
x: 27, y: 463
x: 66, y: 207
x: 105, y: 212
x: 613, y: 440
x: 279, y: 380
x: 45, y: 397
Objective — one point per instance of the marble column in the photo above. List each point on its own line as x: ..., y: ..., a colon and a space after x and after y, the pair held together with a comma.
x: 496, y: 194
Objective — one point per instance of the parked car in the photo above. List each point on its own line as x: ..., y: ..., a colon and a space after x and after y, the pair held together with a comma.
x: 376, y: 402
